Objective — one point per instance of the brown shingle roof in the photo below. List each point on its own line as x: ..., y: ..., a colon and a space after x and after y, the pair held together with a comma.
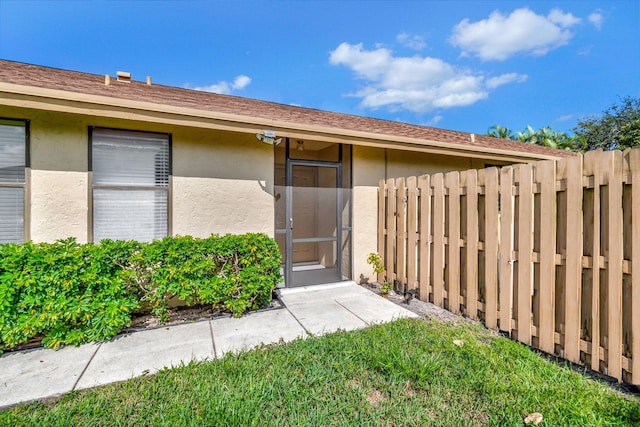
x: 85, y: 83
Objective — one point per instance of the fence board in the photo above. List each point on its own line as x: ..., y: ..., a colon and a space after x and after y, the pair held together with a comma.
x: 634, y: 169
x: 614, y: 265
x: 438, y: 239
x: 506, y: 248
x: 546, y: 176
x: 592, y: 249
x: 469, y: 180
x: 424, y: 185
x: 412, y: 232
x: 382, y: 228
x: 572, y: 172
x: 524, y: 175
x: 390, y: 256
x: 489, y: 178
x: 453, y: 247
x: 401, y: 235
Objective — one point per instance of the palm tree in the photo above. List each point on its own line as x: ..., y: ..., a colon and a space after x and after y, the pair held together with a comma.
x: 498, y: 131
x: 547, y: 137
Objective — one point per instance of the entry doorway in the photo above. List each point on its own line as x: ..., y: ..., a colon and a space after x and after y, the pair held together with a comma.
x: 313, y: 213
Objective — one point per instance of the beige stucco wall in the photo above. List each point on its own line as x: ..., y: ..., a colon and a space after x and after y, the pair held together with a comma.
x: 222, y: 182
x: 59, y: 182
x: 368, y: 169
x: 58, y: 205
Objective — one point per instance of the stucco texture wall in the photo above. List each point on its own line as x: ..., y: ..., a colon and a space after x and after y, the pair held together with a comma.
x: 222, y: 182
x: 59, y: 181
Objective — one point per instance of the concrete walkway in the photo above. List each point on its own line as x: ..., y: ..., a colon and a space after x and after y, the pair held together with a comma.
x: 314, y: 310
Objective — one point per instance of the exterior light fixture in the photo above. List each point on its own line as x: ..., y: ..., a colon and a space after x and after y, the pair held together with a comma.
x: 268, y: 137
x: 300, y: 145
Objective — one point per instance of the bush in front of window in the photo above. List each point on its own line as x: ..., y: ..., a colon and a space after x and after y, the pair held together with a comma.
x: 71, y: 293
x: 63, y: 292
x: 238, y: 272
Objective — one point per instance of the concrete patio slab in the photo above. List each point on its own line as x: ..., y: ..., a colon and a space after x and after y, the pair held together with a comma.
x: 254, y: 329
x: 345, y: 305
x: 374, y: 309
x: 325, y: 316
x: 148, y: 352
x: 42, y: 373
x: 306, y: 294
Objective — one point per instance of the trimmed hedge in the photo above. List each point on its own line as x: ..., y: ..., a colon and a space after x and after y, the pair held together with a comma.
x: 71, y: 293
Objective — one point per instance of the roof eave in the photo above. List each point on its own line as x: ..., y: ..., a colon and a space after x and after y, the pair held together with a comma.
x: 104, y: 106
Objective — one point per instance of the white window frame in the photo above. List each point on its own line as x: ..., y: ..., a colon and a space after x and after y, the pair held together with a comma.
x: 128, y: 187
x: 24, y: 184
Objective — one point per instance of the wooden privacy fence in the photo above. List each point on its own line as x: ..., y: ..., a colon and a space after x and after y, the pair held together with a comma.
x: 545, y: 251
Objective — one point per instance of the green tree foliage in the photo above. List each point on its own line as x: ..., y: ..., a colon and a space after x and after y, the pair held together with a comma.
x: 498, y: 131
x: 617, y: 128
x: 545, y: 136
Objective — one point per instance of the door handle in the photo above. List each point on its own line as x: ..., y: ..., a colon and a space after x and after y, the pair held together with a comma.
x: 291, y: 223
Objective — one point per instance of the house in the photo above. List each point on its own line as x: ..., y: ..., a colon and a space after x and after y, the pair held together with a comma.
x: 93, y: 157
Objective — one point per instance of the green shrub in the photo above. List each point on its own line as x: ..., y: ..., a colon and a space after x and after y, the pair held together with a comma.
x: 238, y: 272
x: 64, y: 291
x: 70, y: 293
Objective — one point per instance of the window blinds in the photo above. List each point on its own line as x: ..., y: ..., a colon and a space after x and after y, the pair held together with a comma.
x: 12, y: 177
x: 130, y: 185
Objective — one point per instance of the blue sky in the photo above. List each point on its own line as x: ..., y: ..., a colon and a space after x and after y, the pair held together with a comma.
x: 462, y: 65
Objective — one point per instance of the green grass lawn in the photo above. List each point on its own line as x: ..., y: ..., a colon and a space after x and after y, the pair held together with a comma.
x: 409, y: 372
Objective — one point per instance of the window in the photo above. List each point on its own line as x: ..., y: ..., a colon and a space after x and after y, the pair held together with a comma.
x: 13, y: 163
x: 130, y: 184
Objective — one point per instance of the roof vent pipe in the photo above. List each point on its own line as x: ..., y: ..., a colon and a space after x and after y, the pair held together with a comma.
x: 107, y: 79
x: 123, y: 76
x: 149, y: 80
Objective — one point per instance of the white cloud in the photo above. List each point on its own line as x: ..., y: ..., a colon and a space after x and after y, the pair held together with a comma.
x: 434, y: 120
x: 596, y: 18
x: 418, y: 84
x: 523, y: 31
x: 494, y: 82
x: 564, y: 20
x: 412, y: 42
x: 564, y: 118
x: 585, y: 51
x: 240, y: 82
